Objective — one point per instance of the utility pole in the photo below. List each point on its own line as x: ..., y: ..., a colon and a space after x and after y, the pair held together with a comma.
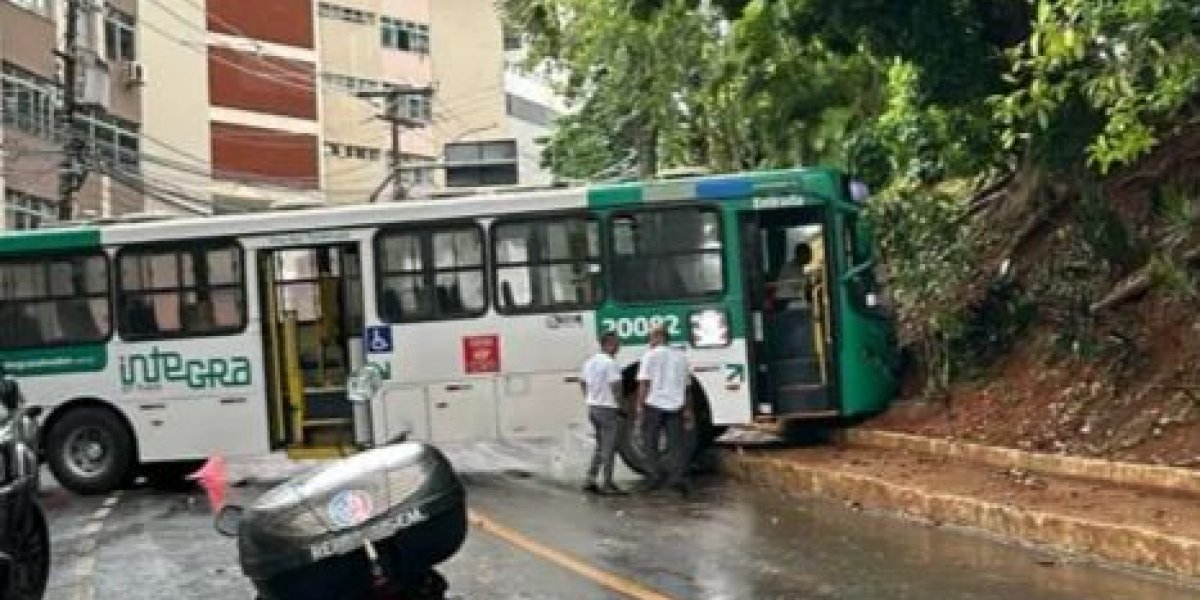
x: 72, y: 171
x: 394, y: 116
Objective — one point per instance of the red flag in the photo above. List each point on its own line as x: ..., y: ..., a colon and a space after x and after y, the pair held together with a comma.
x: 214, y: 478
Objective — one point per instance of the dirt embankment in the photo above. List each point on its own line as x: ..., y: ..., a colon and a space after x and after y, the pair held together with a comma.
x: 1143, y: 406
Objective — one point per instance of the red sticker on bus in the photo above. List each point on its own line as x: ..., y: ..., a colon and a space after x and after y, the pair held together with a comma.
x: 481, y: 354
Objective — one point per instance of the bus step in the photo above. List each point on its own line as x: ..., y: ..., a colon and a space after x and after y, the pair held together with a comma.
x: 802, y: 398
x: 801, y: 387
x: 314, y: 423
x: 797, y: 370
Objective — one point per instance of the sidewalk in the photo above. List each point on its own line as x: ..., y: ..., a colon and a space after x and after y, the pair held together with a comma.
x: 1133, y: 515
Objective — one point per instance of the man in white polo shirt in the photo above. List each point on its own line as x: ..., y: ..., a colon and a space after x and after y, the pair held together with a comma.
x: 663, y: 379
x: 601, y: 379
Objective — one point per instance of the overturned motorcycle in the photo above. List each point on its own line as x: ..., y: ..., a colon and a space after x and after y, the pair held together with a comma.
x: 372, y: 526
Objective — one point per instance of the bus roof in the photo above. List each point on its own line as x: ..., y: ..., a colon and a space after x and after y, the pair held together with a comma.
x: 820, y: 183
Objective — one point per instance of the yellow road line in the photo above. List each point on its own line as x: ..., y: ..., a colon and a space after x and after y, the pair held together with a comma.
x: 612, y: 581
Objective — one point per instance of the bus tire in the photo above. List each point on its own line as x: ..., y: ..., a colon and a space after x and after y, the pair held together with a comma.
x: 90, y: 451
x: 698, y: 435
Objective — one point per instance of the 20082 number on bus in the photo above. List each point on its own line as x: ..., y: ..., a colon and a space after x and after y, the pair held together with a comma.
x: 639, y: 327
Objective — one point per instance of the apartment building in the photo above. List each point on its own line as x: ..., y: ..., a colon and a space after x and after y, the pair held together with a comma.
x: 453, y: 49
x: 293, y: 95
x: 532, y: 106
x: 205, y: 106
x: 30, y: 94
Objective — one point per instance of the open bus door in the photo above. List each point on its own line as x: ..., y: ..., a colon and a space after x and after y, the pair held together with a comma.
x: 312, y: 322
x: 867, y: 354
x: 788, y: 309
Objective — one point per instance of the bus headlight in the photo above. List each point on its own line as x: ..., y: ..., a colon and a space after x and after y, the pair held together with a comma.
x: 710, y: 329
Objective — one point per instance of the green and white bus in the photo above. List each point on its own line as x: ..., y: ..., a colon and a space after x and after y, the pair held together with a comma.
x: 154, y: 344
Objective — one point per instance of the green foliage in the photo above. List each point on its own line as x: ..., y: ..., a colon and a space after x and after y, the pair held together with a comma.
x: 1132, y: 64
x: 915, y: 142
x: 1106, y: 236
x: 928, y: 256
x: 907, y: 95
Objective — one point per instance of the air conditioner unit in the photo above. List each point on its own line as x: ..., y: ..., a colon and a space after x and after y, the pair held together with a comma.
x: 134, y: 72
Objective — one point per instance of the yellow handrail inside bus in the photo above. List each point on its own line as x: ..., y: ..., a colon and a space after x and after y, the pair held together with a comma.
x: 819, y: 326
x: 270, y: 322
x: 294, y: 374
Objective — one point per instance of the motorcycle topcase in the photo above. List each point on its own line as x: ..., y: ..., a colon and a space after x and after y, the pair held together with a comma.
x: 305, y: 538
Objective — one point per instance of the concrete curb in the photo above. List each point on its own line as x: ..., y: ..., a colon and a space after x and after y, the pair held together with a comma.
x: 1132, y: 474
x: 1123, y: 544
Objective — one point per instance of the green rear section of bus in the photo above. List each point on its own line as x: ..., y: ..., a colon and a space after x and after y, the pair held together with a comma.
x: 831, y: 355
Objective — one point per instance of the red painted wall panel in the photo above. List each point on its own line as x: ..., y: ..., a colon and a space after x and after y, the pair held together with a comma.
x: 263, y: 84
x: 287, y: 22
x: 264, y: 156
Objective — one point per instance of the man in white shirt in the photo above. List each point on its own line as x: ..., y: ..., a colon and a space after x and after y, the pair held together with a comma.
x: 663, y: 379
x: 601, y: 380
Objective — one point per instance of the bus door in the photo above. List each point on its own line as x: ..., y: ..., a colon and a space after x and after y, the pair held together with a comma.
x: 312, y: 323
x: 787, y: 304
x: 866, y: 340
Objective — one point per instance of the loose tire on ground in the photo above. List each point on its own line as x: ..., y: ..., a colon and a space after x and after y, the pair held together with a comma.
x: 90, y: 451
x: 699, y: 433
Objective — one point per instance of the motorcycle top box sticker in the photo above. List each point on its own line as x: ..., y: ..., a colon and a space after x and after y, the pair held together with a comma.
x: 350, y: 508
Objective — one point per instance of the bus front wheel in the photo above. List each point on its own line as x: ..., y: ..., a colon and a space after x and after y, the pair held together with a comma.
x: 90, y: 451
x: 698, y: 438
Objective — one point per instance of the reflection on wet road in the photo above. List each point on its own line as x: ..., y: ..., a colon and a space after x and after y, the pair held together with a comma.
x: 724, y: 542
x: 727, y: 542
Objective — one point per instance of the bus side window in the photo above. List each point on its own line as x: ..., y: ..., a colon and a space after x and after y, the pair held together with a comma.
x: 195, y: 291
x: 430, y: 274
x: 667, y: 254
x: 54, y: 301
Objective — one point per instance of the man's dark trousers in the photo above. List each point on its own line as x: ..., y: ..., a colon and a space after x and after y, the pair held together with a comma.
x: 671, y: 468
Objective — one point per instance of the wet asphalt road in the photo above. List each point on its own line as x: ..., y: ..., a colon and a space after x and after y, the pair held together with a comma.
x: 723, y: 542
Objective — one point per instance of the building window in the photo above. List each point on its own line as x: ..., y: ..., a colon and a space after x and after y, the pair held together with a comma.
x: 668, y: 254
x: 25, y: 211
x: 168, y: 293
x: 398, y: 34
x: 41, y: 7
x: 112, y: 140
x: 353, y: 84
x: 54, y: 301
x: 347, y: 14
x: 529, y: 111
x: 431, y: 274
x: 418, y: 107
x: 29, y: 101
x: 547, y: 265
x: 339, y: 150
x: 119, y: 36
x: 472, y: 164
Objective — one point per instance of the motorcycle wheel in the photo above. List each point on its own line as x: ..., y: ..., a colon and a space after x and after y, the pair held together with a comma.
x: 31, y: 557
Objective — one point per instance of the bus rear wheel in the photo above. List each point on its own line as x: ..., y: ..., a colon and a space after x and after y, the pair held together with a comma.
x: 90, y: 451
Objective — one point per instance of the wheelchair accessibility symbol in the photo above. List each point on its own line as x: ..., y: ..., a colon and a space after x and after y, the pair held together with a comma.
x: 379, y: 339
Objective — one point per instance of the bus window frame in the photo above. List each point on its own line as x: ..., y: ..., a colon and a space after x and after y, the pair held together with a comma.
x: 43, y: 258
x: 202, y: 244
x: 601, y: 259
x: 429, y: 271
x: 609, y: 250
